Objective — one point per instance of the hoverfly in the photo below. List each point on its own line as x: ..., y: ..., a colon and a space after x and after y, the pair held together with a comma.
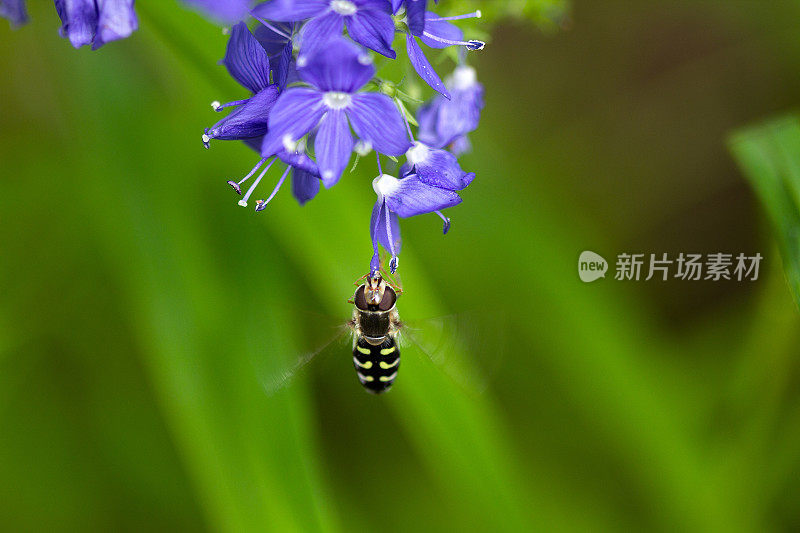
x: 377, y: 335
x: 375, y: 325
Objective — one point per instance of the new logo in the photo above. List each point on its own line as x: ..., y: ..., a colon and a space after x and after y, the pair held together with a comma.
x: 591, y: 266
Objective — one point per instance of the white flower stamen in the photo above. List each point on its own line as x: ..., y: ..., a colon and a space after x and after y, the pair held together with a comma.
x: 385, y: 185
x: 344, y: 7
x: 418, y: 153
x: 363, y: 148
x: 289, y: 144
x: 243, y: 201
x: 336, y: 100
x: 463, y: 78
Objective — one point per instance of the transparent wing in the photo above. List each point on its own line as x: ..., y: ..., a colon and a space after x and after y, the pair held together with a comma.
x: 468, y: 347
x: 319, y: 337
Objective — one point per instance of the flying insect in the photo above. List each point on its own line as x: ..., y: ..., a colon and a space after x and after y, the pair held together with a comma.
x: 375, y: 325
x: 377, y: 335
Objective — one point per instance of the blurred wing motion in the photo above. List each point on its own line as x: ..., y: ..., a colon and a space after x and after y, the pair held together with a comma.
x: 326, y: 336
x: 467, y: 347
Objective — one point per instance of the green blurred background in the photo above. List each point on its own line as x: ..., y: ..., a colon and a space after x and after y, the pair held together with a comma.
x: 141, y: 309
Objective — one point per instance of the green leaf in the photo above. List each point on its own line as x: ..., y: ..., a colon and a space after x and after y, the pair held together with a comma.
x: 769, y: 155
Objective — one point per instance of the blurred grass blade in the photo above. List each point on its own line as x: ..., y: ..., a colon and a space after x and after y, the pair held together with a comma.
x: 769, y: 155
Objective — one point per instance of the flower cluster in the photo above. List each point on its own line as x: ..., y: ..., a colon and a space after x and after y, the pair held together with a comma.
x: 315, y: 99
x: 98, y: 22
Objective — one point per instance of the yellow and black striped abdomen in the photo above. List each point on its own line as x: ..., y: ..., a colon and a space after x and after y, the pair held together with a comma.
x: 376, y: 366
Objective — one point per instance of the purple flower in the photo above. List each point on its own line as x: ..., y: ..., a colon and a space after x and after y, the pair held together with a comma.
x: 368, y: 22
x: 335, y: 73
x: 428, y: 183
x: 248, y: 63
x: 226, y: 11
x: 96, y: 22
x: 404, y: 198
x: 14, y: 11
x: 437, y: 32
x: 444, y: 122
x: 436, y: 167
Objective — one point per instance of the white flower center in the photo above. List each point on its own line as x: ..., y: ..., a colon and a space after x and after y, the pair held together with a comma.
x: 417, y: 153
x: 385, y: 185
x: 289, y: 144
x: 336, y: 100
x: 363, y: 148
x: 463, y: 78
x: 343, y: 7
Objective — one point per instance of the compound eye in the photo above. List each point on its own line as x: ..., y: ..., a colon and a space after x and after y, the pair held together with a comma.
x: 360, y: 298
x: 387, y: 295
x: 388, y: 300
